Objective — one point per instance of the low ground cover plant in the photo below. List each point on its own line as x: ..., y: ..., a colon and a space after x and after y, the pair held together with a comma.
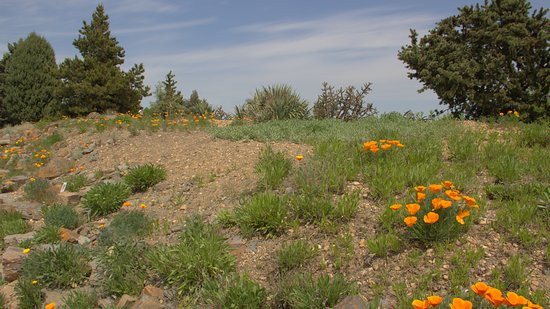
x: 142, y: 177
x: 441, y: 215
x: 125, y: 227
x: 105, y: 198
x: 11, y: 222
x: 272, y: 167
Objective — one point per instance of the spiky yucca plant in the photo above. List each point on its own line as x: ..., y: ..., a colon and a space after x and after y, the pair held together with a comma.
x: 276, y: 102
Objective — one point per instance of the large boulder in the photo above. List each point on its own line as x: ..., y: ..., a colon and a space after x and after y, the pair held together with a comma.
x: 55, y: 168
x: 12, y: 260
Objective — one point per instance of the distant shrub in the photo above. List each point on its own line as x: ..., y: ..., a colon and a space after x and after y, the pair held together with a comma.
x: 40, y: 190
x: 125, y: 271
x: 125, y: 226
x: 60, y: 216
x: 76, y: 182
x: 294, y: 254
x: 105, y: 198
x: 275, y: 103
x: 140, y: 178
x: 201, y: 255
x: 305, y: 291
x: 59, y: 267
x: 345, y: 104
x: 272, y: 167
x: 264, y: 214
x: 235, y: 292
x: 81, y: 300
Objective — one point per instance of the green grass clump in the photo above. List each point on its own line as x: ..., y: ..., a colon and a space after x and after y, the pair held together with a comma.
x: 235, y: 292
x: 126, y: 226
x: 61, y: 216
x: 384, y: 245
x: 272, y: 168
x: 140, y: 178
x: 11, y: 222
x: 105, y: 198
x: 294, y: 254
x: 125, y: 268
x: 76, y: 182
x: 264, y: 214
x: 40, y: 190
x: 305, y: 291
x: 29, y: 295
x: 81, y: 300
x: 48, y: 234
x: 57, y: 267
x: 319, y: 208
x: 201, y: 255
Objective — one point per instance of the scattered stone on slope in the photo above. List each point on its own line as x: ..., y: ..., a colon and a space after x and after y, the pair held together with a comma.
x: 126, y: 301
x: 16, y: 239
x: 55, y: 168
x: 12, y: 260
x: 4, y: 142
x: 353, y: 302
x: 70, y: 198
x: 8, y: 290
x: 28, y: 209
x: 68, y: 235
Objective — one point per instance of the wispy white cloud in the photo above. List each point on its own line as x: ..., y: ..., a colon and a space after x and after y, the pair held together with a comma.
x: 165, y: 26
x: 151, y: 6
x: 349, y: 48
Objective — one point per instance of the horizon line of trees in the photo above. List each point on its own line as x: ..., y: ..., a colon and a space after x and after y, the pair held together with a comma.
x: 490, y: 58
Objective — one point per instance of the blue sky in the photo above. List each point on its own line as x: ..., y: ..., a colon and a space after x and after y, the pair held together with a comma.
x: 226, y: 49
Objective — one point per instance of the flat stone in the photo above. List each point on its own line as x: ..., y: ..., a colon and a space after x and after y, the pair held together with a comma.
x: 153, y: 291
x: 83, y: 240
x: 70, y: 198
x: 15, y: 239
x: 55, y: 296
x: 105, y: 303
x: 147, y: 304
x: 353, y: 302
x: 68, y: 235
x: 3, y: 173
x: 126, y: 300
x: 55, y: 168
x: 10, y: 298
x: 4, y: 142
x: 19, y: 180
x: 12, y: 260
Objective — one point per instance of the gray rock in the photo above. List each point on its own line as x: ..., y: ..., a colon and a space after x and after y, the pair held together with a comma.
x: 89, y: 149
x: 83, y: 240
x: 126, y: 300
x: 353, y: 302
x: 55, y: 168
x: 16, y: 239
x: 20, y: 179
x: 10, y: 297
x: 4, y: 142
x: 70, y: 198
x: 12, y: 260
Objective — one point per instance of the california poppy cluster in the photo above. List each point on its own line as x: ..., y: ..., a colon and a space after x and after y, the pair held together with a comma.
x: 436, y: 207
x: 497, y: 299
x: 510, y: 113
x: 375, y: 146
x: 493, y: 295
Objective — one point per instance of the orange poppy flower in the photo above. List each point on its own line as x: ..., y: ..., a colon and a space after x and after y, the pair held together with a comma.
x: 382, y: 141
x: 412, y: 208
x: 127, y: 204
x: 142, y: 206
x: 386, y: 146
x: 393, y: 142
x: 436, y: 203
x: 400, y: 145
x: 494, y: 296
x: 445, y: 204
x: 434, y: 300
x: 395, y: 206
x: 447, y: 184
x: 514, y: 299
x: 410, y: 221
x: 480, y: 288
x: 50, y: 306
x: 420, y: 304
x: 374, y: 149
x: 453, y: 194
x: 470, y: 201
x: 299, y: 158
x: 459, y: 303
x: 431, y: 217
x: 461, y: 215
x: 420, y: 196
x: 435, y: 188
x: 419, y: 188
x: 501, y: 114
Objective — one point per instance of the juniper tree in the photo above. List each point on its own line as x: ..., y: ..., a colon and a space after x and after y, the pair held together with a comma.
x: 487, y: 59
x: 169, y: 99
x: 96, y: 83
x: 27, y: 80
x: 196, y: 105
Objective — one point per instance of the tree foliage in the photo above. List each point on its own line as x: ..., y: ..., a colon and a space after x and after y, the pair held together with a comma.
x: 27, y: 80
x: 346, y: 104
x: 487, y: 59
x: 96, y: 83
x: 196, y: 105
x: 168, y: 98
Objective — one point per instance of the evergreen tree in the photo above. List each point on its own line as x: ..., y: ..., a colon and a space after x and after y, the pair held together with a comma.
x: 27, y: 80
x: 168, y: 98
x: 488, y: 59
x: 196, y: 105
x: 96, y: 82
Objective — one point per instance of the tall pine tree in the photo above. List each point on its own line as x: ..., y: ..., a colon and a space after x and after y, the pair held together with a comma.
x: 96, y: 83
x: 27, y: 80
x: 169, y: 99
